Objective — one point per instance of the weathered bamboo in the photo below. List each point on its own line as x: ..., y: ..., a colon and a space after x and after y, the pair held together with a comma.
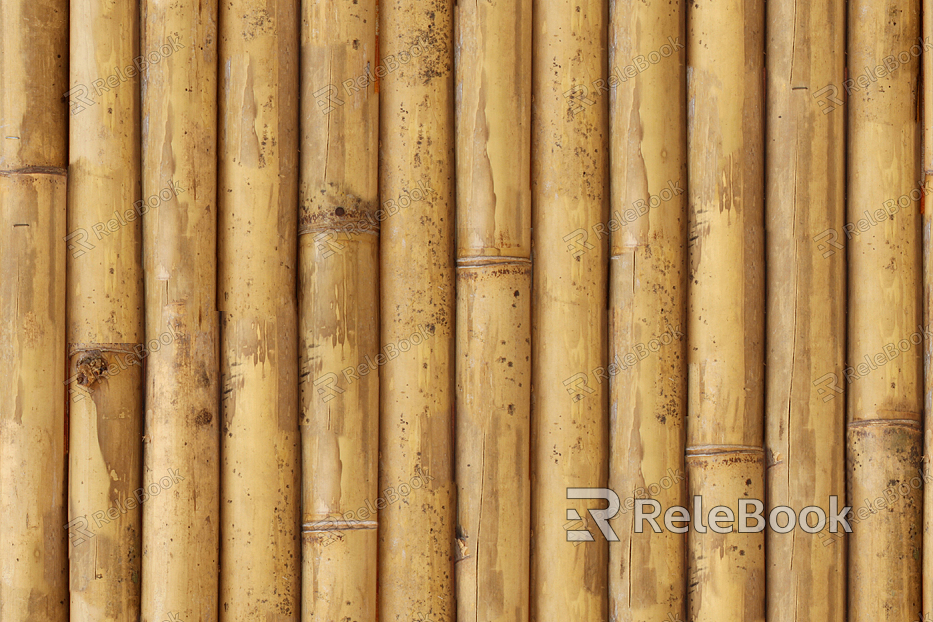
x: 339, y: 309
x: 927, y: 222
x: 885, y: 395
x: 725, y: 460
x: 105, y: 315
x: 647, y: 580
x: 260, y: 572
x: 493, y: 69
x: 182, y: 435
x: 805, y: 426
x: 416, y: 533
x: 570, y: 427
x: 33, y: 161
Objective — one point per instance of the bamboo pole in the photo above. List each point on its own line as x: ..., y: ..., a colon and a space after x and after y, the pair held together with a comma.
x: 105, y: 317
x: 260, y: 572
x: 724, y: 456
x: 927, y: 224
x: 339, y: 303
x: 806, y: 305
x: 647, y: 580
x: 493, y: 73
x: 33, y: 157
x: 569, y: 430
x: 416, y: 533
x: 182, y: 436
x: 884, y: 412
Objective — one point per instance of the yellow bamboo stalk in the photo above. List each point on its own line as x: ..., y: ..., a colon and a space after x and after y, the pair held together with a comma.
x: 260, y: 573
x: 569, y: 166
x: 884, y: 404
x: 182, y: 435
x: 339, y: 309
x: 33, y: 157
x: 493, y: 73
x: 806, y: 304
x: 105, y: 315
x: 647, y: 580
x: 726, y: 572
x: 927, y: 223
x: 416, y: 533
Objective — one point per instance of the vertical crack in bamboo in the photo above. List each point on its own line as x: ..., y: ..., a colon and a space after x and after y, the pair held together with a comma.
x: 260, y: 574
x: 339, y: 308
x: 493, y: 435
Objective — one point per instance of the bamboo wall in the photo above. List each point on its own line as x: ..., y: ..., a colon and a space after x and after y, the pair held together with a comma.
x: 327, y: 311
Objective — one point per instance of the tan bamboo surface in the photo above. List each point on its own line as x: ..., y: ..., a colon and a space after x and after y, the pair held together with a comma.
x: 416, y: 533
x: 647, y: 580
x: 570, y: 424
x: 927, y: 223
x: 805, y: 199
x: 493, y: 121
x: 339, y: 309
x: 33, y: 161
x: 181, y: 525
x: 105, y: 318
x: 884, y: 405
x: 724, y: 457
x: 260, y: 571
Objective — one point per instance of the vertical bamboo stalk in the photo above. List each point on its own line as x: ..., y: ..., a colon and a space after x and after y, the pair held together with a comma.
x: 884, y: 407
x: 416, y: 533
x: 339, y: 308
x: 806, y: 304
x: 105, y: 316
x: 33, y: 157
x: 493, y: 54
x: 725, y: 460
x: 647, y: 580
x: 260, y: 573
x: 569, y: 429
x: 927, y: 223
x: 179, y: 166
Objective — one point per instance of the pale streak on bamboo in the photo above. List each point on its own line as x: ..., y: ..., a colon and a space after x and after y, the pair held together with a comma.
x: 493, y: 75
x: 570, y: 426
x: 105, y: 317
x: 339, y: 307
x: 260, y: 573
x: 181, y: 525
x: 885, y: 440
x: 416, y: 534
x: 33, y: 157
x: 805, y: 200
x: 725, y: 325
x: 647, y: 580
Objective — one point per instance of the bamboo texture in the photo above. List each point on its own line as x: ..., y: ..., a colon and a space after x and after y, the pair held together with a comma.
x: 927, y: 238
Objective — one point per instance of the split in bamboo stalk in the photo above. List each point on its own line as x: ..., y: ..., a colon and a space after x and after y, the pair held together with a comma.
x: 105, y: 320
x: 493, y: 431
x: 570, y: 426
x: 339, y: 308
x: 885, y: 440
x: 182, y: 436
x: 647, y: 580
x: 416, y: 534
x: 806, y: 306
x: 33, y: 161
x: 725, y: 317
x: 260, y: 574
